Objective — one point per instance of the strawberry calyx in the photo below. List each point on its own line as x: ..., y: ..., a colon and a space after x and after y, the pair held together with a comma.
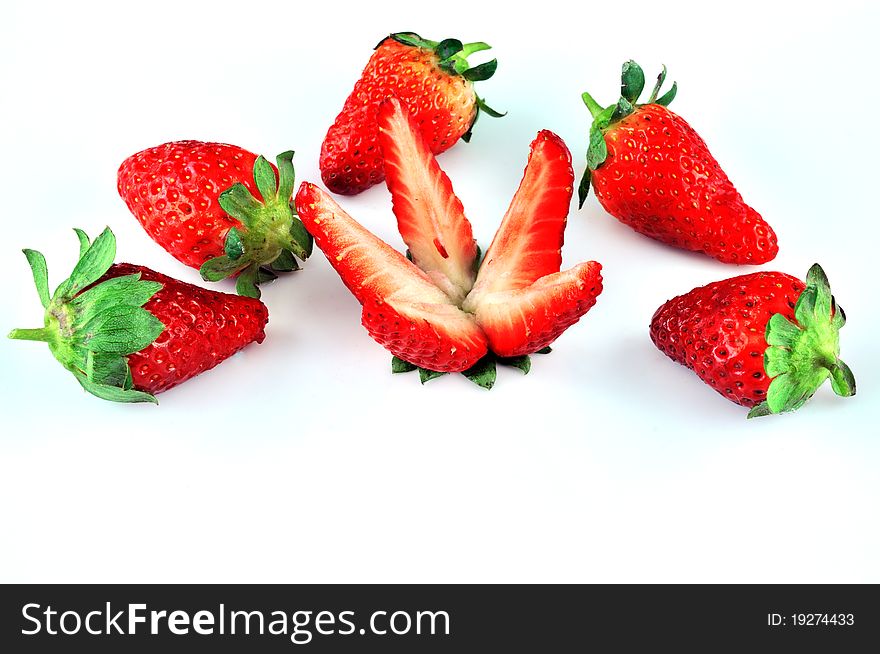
x: 632, y: 83
x: 452, y: 56
x: 91, y: 328
x: 271, y: 237
x: 483, y: 373
x: 801, y: 355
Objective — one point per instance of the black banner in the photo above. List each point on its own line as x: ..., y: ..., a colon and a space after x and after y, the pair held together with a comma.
x: 444, y: 618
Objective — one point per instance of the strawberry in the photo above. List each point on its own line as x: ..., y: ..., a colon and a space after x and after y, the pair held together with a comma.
x: 519, y: 322
x: 765, y: 340
x: 433, y: 81
x: 197, y: 200
x: 653, y: 172
x: 521, y: 299
x: 430, y: 217
x: 402, y: 308
x: 435, y: 312
x: 127, y: 332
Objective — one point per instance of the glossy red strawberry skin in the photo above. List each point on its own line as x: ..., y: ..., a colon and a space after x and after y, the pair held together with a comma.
x: 402, y: 308
x: 172, y: 190
x: 660, y: 179
x: 444, y: 340
x: 718, y: 331
x: 443, y: 105
x: 202, y: 328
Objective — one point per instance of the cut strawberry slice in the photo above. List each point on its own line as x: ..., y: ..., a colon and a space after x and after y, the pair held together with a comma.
x: 402, y: 308
x: 528, y: 244
x: 429, y: 312
x: 430, y: 217
x: 521, y: 300
x: 525, y: 320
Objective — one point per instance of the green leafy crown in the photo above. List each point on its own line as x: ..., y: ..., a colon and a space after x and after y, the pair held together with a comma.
x: 482, y: 373
x: 272, y: 236
x: 91, y: 331
x: 801, y: 355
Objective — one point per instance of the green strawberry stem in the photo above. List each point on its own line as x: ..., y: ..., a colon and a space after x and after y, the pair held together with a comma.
x: 40, y: 334
x: 452, y: 55
x: 801, y: 355
x: 271, y: 234
x: 594, y: 107
x: 470, y: 48
x: 90, y: 332
x: 632, y: 83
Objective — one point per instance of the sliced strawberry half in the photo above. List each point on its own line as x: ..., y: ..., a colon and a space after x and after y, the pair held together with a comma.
x: 525, y: 320
x: 521, y: 300
x: 402, y: 307
x: 528, y: 243
x: 430, y: 217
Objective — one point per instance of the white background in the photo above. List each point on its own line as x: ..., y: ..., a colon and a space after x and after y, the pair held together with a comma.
x: 304, y: 459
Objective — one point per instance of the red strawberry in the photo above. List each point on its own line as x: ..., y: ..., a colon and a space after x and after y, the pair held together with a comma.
x: 520, y: 299
x: 430, y: 217
x: 433, y: 82
x: 197, y: 200
x: 764, y: 340
x: 653, y: 172
x: 127, y: 332
x: 519, y: 302
x: 402, y: 309
x: 528, y: 320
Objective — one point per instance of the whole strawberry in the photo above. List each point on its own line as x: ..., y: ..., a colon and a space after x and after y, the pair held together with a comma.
x: 433, y: 81
x: 653, y: 172
x: 198, y: 201
x: 764, y: 340
x: 127, y: 332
